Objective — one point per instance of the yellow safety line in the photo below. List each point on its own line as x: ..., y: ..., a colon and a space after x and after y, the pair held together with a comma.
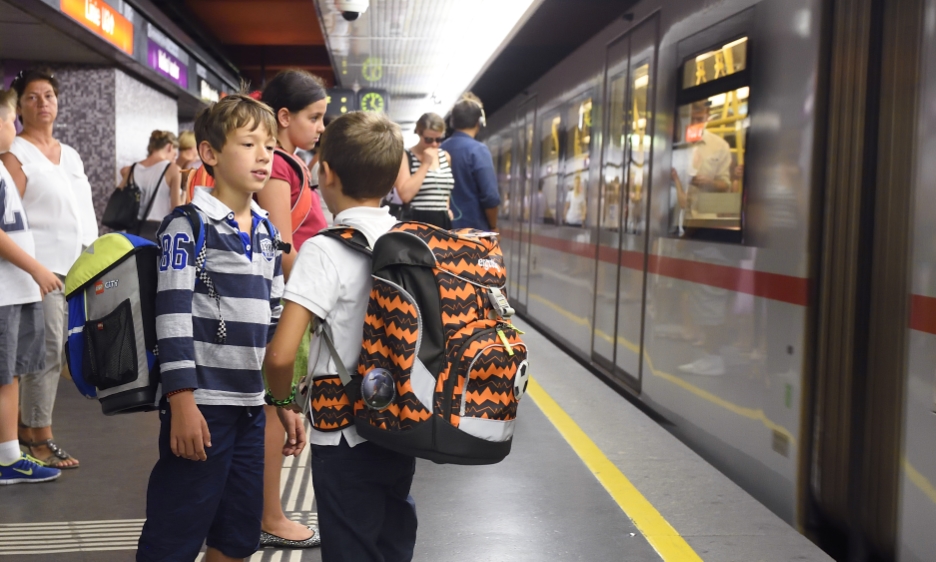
x: 919, y: 480
x: 657, y: 530
x: 750, y: 413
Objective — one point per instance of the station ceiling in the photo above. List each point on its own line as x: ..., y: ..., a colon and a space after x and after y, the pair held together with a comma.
x: 259, y: 37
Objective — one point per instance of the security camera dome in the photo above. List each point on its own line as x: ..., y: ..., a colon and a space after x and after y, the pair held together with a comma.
x: 352, y: 9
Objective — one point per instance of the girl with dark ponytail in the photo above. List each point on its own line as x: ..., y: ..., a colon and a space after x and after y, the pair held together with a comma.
x: 299, y: 100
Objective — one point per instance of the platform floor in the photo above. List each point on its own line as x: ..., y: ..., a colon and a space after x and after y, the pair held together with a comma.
x: 590, y: 478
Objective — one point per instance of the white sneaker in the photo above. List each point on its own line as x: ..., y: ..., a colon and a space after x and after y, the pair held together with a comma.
x: 710, y: 365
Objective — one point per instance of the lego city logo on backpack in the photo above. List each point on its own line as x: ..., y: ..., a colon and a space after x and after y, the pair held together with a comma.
x: 100, y: 286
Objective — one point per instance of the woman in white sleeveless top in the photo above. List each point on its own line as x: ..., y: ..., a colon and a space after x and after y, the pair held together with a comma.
x: 160, y: 180
x: 57, y: 197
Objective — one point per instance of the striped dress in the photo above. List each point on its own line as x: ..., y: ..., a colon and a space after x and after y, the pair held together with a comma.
x: 436, y: 188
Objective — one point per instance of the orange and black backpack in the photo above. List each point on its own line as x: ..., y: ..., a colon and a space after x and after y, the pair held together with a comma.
x: 199, y: 177
x: 442, y: 368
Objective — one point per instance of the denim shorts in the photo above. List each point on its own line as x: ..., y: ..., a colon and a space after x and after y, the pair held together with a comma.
x: 22, y: 340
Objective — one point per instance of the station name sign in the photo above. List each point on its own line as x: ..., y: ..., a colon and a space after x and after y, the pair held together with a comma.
x: 102, y: 20
x: 166, y: 64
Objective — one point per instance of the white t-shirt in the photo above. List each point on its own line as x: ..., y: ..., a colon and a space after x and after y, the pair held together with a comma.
x: 333, y: 282
x: 18, y: 286
x: 711, y: 158
x: 58, y: 201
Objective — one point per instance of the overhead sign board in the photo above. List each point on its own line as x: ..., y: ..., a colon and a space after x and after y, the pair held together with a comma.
x: 166, y: 64
x: 102, y: 20
x: 206, y: 92
x: 340, y: 101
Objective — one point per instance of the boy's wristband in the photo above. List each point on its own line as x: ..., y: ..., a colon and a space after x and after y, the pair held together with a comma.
x: 179, y: 391
x: 268, y: 398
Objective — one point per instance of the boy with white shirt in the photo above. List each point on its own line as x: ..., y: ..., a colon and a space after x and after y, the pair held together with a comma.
x: 362, y: 490
x: 22, y: 334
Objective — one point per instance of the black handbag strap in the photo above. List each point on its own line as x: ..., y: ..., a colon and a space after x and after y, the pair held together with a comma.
x: 149, y: 205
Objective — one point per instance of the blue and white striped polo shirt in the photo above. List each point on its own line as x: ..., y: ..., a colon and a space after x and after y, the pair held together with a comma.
x: 247, y: 273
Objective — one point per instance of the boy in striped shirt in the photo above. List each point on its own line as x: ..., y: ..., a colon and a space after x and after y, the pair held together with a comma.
x: 208, y: 482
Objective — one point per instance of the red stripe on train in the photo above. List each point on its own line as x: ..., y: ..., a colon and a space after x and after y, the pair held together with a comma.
x: 923, y: 314
x: 774, y: 286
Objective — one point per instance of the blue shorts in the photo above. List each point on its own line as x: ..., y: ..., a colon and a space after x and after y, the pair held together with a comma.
x: 220, y: 499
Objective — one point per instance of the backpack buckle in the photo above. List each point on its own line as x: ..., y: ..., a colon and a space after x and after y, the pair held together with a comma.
x: 501, y: 307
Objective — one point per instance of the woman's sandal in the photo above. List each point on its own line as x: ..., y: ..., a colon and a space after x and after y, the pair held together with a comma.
x: 269, y: 539
x: 56, y: 459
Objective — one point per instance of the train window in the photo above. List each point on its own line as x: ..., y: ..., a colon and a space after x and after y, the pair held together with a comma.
x: 614, y: 158
x: 573, y: 196
x: 505, y: 161
x: 639, y: 149
x: 547, y: 192
x: 711, y: 65
x: 712, y: 119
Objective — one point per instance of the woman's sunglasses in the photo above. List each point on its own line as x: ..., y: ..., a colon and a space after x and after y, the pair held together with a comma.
x: 430, y: 140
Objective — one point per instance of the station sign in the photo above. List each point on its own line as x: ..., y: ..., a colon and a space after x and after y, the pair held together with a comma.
x: 166, y: 64
x: 102, y: 20
x: 206, y: 92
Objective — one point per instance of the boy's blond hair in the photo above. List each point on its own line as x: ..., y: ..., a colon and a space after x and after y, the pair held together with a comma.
x: 365, y: 151
x: 214, y: 123
x: 7, y: 102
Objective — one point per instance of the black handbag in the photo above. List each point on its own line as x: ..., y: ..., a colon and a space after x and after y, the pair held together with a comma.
x: 123, y: 207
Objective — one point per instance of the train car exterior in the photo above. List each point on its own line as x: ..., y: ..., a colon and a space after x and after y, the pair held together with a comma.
x: 659, y: 215
x: 918, y: 461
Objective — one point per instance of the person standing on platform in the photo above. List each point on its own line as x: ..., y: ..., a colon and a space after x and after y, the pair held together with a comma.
x: 159, y: 180
x: 57, y: 197
x: 188, y: 154
x: 362, y: 491
x: 475, y: 197
x: 22, y: 335
x: 298, y: 100
x: 207, y: 485
x: 426, y: 181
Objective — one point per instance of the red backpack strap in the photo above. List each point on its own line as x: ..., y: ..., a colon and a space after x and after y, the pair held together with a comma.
x: 303, y: 203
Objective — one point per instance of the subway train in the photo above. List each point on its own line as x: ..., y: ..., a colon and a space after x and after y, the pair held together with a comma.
x: 725, y: 208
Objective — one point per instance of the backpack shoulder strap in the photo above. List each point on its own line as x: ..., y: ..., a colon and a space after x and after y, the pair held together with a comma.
x: 349, y: 236
x: 300, y: 209
x: 191, y: 213
x: 149, y: 205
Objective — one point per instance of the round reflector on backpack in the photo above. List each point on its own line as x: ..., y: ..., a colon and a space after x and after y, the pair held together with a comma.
x: 378, y: 389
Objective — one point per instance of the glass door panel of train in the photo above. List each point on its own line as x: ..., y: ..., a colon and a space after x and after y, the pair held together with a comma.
x: 510, y: 243
x: 526, y: 120
x: 625, y: 175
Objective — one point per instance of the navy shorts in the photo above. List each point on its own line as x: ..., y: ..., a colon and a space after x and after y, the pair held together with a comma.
x: 365, y: 510
x: 220, y: 499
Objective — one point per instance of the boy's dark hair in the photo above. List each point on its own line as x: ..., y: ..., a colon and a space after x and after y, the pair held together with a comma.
x: 293, y: 89
x: 215, y: 122
x: 467, y: 113
x: 365, y: 151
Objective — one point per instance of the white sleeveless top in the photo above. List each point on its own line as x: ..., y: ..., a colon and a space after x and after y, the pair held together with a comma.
x: 146, y: 179
x: 18, y: 286
x: 58, y: 203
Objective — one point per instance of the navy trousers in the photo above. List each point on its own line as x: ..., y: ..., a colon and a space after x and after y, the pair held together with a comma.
x: 219, y: 499
x: 365, y: 510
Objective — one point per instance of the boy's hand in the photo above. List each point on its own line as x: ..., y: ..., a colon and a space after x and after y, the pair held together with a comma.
x: 295, y: 432
x: 46, y: 280
x: 188, y: 434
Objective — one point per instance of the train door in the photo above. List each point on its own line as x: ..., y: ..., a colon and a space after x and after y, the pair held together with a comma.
x: 624, y: 189
x: 522, y: 203
x: 505, y: 174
